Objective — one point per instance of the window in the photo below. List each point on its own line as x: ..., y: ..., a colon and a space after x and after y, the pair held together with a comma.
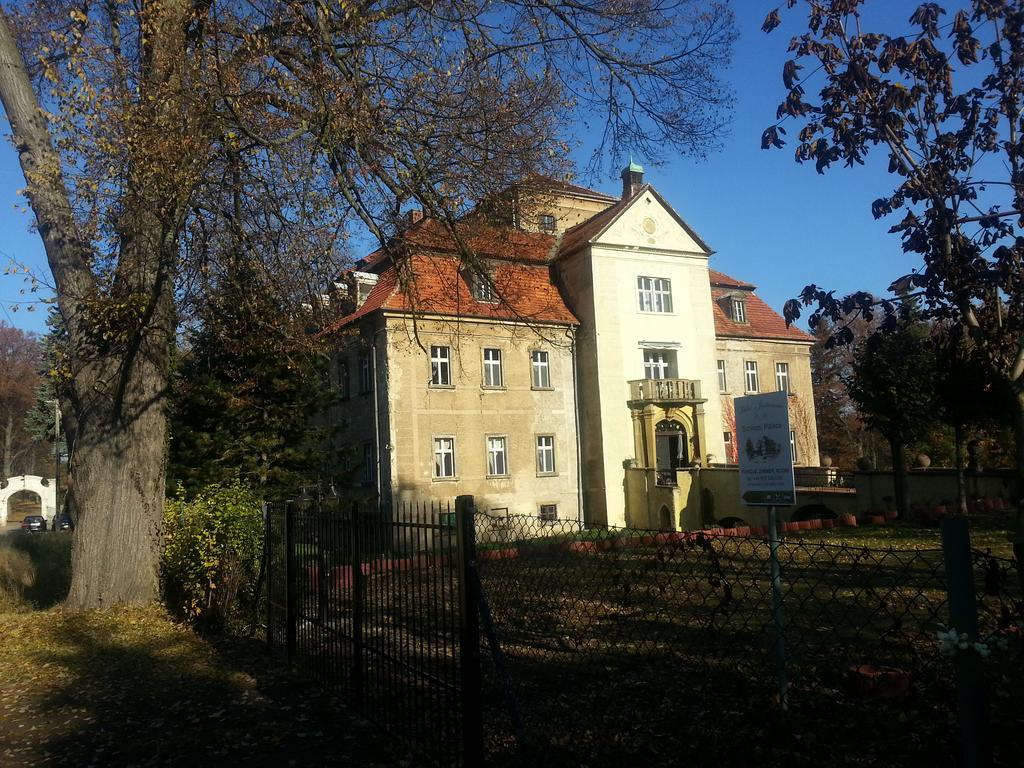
x: 548, y: 513
x: 444, y: 457
x: 750, y: 373
x: 546, y: 222
x: 440, y: 367
x: 541, y: 370
x: 722, y: 383
x: 545, y: 454
x: 365, y: 376
x: 343, y: 380
x: 792, y: 444
x: 483, y: 288
x: 659, y: 364
x: 492, y: 368
x: 739, y: 310
x: 727, y: 439
x: 782, y: 377
x: 369, y: 464
x: 654, y: 294
x: 497, y: 458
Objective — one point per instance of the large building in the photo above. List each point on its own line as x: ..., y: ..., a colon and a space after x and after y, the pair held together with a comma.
x: 587, y: 335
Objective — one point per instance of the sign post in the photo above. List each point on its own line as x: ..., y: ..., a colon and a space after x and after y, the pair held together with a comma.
x: 766, y: 479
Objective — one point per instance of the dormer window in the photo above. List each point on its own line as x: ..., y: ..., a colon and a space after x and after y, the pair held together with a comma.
x: 483, y: 288
x: 361, y: 285
x: 546, y: 222
x: 739, y: 310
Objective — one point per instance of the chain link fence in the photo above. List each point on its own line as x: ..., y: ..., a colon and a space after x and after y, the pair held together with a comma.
x: 617, y: 644
x: 605, y: 645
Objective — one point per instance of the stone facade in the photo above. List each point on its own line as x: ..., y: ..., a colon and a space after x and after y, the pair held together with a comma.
x: 512, y: 414
x: 617, y: 299
x: 767, y: 355
x: 620, y: 334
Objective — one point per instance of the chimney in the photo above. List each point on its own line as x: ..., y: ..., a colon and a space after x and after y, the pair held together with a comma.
x: 632, y: 179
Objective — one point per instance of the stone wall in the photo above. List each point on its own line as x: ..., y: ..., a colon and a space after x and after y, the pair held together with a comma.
x: 707, y: 497
x: 930, y: 487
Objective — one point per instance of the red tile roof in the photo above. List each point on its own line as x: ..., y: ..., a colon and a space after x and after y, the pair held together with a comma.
x: 433, y: 284
x: 550, y: 184
x: 431, y: 281
x: 722, y: 280
x: 763, y: 322
x: 484, y: 240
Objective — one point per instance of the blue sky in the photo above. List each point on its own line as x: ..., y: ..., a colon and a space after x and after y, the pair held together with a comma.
x: 772, y: 222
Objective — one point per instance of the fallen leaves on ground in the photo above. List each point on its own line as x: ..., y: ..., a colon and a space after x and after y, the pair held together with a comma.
x: 131, y: 687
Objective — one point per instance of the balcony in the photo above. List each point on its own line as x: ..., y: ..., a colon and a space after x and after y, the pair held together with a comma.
x: 664, y: 391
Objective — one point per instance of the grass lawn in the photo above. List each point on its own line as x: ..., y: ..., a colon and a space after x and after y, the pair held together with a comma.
x: 661, y: 654
x: 989, y: 531
x: 132, y: 687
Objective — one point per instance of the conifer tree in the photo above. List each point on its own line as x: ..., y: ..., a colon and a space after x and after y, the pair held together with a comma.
x: 247, y: 395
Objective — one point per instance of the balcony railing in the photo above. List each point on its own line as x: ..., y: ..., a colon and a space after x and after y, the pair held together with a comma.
x: 666, y: 478
x: 664, y: 391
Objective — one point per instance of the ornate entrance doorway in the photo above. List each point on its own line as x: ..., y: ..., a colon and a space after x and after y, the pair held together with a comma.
x: 672, y: 450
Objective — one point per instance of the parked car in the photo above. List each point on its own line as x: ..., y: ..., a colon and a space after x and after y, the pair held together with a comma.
x: 64, y: 523
x: 33, y: 523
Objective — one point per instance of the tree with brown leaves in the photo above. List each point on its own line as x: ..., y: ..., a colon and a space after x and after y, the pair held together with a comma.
x: 942, y: 100
x: 20, y: 357
x: 153, y: 132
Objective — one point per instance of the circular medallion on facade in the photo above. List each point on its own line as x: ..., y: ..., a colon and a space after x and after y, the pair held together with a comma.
x: 650, y: 225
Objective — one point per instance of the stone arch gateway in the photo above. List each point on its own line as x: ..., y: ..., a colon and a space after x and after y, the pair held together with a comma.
x: 44, y: 488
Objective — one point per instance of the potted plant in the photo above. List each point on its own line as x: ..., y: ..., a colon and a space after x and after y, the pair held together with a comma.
x: 874, y: 516
x: 874, y: 681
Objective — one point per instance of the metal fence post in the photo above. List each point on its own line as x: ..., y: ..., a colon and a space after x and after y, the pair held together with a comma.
x: 972, y: 698
x: 356, y: 580
x: 778, y: 616
x: 321, y: 567
x: 268, y: 557
x: 469, y: 634
x: 290, y: 607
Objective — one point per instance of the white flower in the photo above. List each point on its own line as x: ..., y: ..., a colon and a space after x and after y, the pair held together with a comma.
x: 982, y: 649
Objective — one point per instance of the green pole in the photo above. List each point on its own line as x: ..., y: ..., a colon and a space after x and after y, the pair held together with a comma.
x: 972, y: 696
x: 778, y: 618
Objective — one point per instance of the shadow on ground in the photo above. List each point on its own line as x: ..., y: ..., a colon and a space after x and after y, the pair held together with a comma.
x: 132, y: 688
x: 39, y: 573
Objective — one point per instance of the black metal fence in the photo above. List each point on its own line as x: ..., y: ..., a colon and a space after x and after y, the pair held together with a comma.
x: 369, y: 602
x: 605, y: 645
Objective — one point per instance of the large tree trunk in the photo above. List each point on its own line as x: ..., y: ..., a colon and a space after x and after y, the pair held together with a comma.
x: 899, y: 478
x: 118, y: 470
x: 118, y: 430
x: 114, y: 404
x: 9, y: 446
x: 961, y: 482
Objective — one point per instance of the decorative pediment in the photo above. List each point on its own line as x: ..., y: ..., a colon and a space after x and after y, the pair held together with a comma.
x: 648, y: 222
